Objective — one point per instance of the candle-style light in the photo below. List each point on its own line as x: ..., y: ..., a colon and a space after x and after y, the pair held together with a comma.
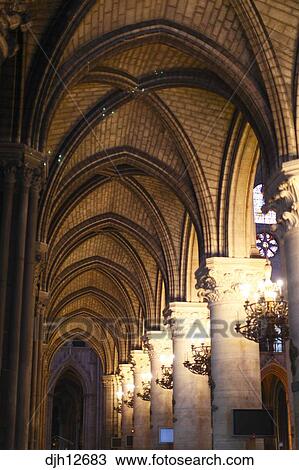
x: 267, y: 315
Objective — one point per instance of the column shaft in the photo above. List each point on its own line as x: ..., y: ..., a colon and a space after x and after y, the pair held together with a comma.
x: 16, y: 309
x: 8, y: 193
x: 108, y: 390
x: 291, y: 247
x: 282, y: 196
x: 127, y: 412
x: 161, y: 399
x: 27, y: 325
x: 191, y: 392
x: 141, y: 413
x: 235, y: 361
x: 235, y: 373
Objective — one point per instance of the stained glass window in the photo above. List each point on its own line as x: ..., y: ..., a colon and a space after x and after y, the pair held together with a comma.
x: 258, y: 202
x: 266, y: 244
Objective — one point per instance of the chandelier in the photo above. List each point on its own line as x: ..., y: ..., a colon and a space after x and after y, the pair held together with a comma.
x: 119, y: 396
x: 267, y: 317
x: 146, y: 387
x: 129, y: 397
x: 201, y: 363
x: 146, y: 391
x: 166, y: 380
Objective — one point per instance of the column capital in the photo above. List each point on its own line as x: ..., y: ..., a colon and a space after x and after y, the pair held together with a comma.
x: 184, y: 318
x: 108, y: 380
x: 8, y: 173
x: 158, y: 342
x: 140, y: 360
x: 126, y: 373
x: 42, y: 302
x: 18, y: 154
x: 221, y: 279
x: 282, y: 196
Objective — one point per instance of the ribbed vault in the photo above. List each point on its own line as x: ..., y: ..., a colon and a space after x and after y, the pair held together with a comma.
x: 152, y: 110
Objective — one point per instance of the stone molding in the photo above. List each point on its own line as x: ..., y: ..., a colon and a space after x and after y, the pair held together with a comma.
x: 125, y: 373
x: 221, y: 279
x: 181, y: 317
x: 157, y: 343
x: 282, y: 196
x: 140, y: 360
x: 108, y: 380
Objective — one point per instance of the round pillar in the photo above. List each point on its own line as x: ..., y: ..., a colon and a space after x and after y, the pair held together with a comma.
x: 161, y: 414
x: 141, y: 419
x: 235, y: 361
x: 189, y: 324
x: 282, y: 195
x: 108, y: 392
x: 127, y: 382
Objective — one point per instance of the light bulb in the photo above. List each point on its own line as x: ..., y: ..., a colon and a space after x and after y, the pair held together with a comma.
x: 245, y: 290
x: 130, y: 387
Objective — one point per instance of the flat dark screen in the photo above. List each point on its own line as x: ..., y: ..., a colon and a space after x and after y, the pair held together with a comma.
x: 249, y: 422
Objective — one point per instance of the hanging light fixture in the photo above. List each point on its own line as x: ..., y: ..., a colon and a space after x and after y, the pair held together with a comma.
x: 146, y: 387
x: 119, y: 396
x: 129, y: 397
x: 267, y: 317
x: 166, y: 380
x: 201, y: 363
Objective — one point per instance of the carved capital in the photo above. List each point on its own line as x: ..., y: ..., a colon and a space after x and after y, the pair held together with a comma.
x: 8, y: 173
x: 125, y: 373
x: 108, y: 380
x: 158, y: 343
x: 140, y: 360
x: 37, y: 181
x: 221, y: 279
x: 42, y: 302
x: 282, y: 196
x: 25, y: 175
x: 186, y: 318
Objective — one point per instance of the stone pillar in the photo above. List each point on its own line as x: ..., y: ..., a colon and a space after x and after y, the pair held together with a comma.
x: 117, y: 406
x: 27, y: 325
x: 282, y: 195
x: 8, y: 183
x: 235, y: 361
x: 35, y: 403
x: 158, y: 343
x: 108, y: 392
x: 25, y: 178
x: 141, y: 413
x: 127, y: 381
x: 189, y: 323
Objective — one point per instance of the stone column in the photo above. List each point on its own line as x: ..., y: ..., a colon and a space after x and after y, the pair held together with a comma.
x: 282, y: 194
x: 158, y: 343
x: 35, y: 404
x: 141, y: 413
x: 108, y: 391
x: 9, y: 179
x: 235, y: 360
x: 117, y: 404
x: 189, y: 323
x: 27, y: 324
x: 25, y: 178
x: 127, y: 381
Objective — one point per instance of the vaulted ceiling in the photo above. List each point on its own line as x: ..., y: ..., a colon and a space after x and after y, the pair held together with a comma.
x: 141, y: 107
